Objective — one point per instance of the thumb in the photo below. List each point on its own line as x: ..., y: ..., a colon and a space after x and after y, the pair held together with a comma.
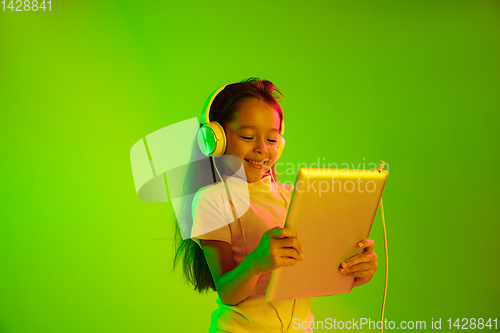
x: 271, y: 230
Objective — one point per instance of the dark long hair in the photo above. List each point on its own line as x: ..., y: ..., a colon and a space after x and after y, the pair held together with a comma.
x: 223, y: 110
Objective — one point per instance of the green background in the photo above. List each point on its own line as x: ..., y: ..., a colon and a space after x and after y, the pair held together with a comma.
x: 414, y: 83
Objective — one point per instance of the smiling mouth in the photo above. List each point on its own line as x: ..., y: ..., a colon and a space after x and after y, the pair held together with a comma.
x: 256, y: 163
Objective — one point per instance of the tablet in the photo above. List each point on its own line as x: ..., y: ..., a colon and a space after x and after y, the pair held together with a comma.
x: 331, y: 210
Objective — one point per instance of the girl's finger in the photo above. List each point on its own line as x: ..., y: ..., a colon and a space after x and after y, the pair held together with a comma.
x: 289, y: 242
x: 368, y: 245
x: 355, y: 260
x: 271, y: 230
x: 368, y: 274
x: 289, y: 253
x: 360, y: 267
x: 284, y: 232
x: 287, y: 262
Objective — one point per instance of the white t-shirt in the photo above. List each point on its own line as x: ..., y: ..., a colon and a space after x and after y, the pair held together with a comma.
x: 266, y: 209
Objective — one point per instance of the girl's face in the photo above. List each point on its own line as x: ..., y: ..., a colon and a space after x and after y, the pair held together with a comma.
x: 253, y: 137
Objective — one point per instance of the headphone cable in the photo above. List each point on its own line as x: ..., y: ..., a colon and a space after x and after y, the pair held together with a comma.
x: 380, y: 167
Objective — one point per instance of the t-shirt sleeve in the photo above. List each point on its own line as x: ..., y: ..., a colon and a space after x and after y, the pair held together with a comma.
x: 209, y: 217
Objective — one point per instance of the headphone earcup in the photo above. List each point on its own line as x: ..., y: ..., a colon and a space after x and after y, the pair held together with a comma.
x: 212, y: 139
x: 281, y: 147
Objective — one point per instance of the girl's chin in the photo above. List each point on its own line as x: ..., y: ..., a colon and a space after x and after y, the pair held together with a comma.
x: 253, y: 170
x: 254, y: 173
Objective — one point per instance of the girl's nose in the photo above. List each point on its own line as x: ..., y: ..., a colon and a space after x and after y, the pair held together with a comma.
x: 261, y: 147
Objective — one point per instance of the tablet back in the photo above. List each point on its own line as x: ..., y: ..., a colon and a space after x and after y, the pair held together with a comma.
x: 331, y: 210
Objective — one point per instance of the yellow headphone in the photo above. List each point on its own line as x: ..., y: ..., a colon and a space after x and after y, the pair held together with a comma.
x: 211, y: 136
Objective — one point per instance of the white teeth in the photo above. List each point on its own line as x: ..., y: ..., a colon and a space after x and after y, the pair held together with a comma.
x: 257, y: 163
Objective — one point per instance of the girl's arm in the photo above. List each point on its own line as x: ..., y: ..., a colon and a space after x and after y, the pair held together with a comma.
x: 233, y: 284
x: 278, y: 247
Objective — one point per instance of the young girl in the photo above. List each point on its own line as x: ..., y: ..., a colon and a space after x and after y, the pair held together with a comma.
x: 233, y: 253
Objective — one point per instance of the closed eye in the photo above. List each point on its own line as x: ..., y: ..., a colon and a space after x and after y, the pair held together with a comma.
x: 249, y: 138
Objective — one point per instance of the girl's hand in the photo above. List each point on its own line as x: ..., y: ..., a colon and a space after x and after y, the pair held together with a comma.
x: 362, y: 266
x: 278, y: 247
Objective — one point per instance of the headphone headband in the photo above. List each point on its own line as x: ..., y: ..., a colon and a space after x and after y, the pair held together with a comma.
x: 205, y: 112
